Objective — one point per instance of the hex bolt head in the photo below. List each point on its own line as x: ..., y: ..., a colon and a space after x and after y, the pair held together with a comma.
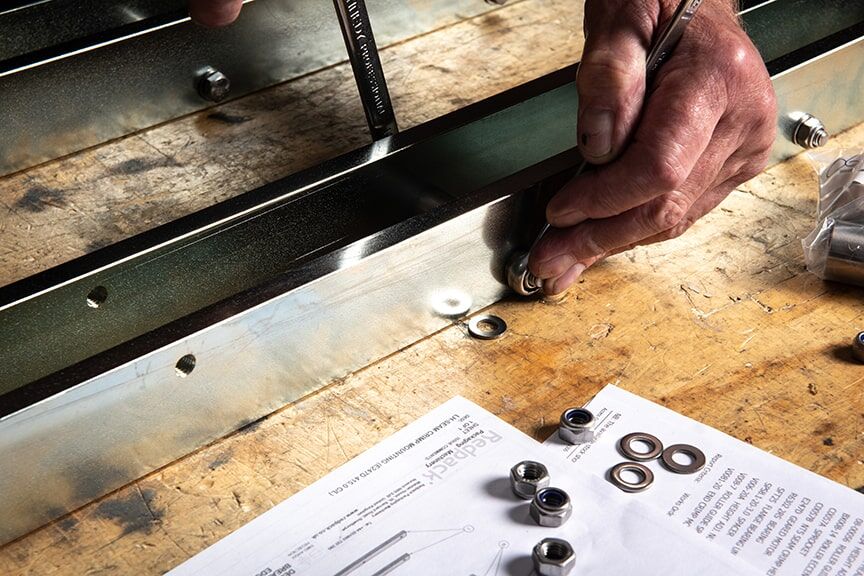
x: 553, y: 557
x: 212, y: 84
x: 527, y: 477
x: 808, y: 131
x: 577, y: 426
x: 551, y: 507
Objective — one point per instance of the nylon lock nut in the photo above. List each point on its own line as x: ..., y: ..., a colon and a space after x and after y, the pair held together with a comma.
x: 577, y: 426
x: 527, y: 477
x: 551, y: 507
x: 553, y: 557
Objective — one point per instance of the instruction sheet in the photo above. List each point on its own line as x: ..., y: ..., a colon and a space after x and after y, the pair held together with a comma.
x: 435, y: 499
x: 779, y: 518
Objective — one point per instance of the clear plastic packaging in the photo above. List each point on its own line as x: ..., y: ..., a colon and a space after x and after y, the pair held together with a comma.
x: 834, y: 250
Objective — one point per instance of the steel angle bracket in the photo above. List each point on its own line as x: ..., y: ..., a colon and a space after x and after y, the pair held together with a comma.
x: 118, y: 67
x: 312, y: 277
x: 119, y: 362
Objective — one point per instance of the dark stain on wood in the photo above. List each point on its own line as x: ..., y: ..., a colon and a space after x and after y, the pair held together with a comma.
x: 221, y: 459
x: 135, y: 512
x: 138, y: 165
x: 37, y: 197
x: 229, y: 118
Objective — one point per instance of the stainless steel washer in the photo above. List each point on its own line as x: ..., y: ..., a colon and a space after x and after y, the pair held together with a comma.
x: 625, y: 446
x: 645, y: 475
x: 695, y: 454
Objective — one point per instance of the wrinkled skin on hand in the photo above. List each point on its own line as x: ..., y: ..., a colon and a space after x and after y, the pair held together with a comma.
x: 214, y: 13
x: 667, y: 159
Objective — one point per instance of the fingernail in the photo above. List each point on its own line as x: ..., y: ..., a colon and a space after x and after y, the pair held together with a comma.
x: 563, y: 282
x: 595, y: 132
x: 555, y: 266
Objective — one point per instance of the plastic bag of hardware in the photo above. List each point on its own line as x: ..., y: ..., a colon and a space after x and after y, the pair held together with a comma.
x: 834, y: 250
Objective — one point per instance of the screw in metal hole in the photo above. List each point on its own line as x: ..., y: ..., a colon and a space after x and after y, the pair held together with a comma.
x: 553, y: 557
x: 212, y: 84
x: 808, y: 131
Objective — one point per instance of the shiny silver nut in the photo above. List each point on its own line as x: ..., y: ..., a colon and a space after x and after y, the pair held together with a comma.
x: 519, y: 278
x: 551, y: 507
x: 809, y: 132
x: 577, y: 426
x: 527, y: 477
x: 553, y: 557
x: 213, y: 85
x: 858, y: 347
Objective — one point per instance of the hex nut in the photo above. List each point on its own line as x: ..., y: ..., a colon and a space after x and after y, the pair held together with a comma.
x: 577, y: 426
x: 527, y: 477
x: 212, y: 85
x: 551, y: 507
x: 858, y: 347
x: 808, y: 131
x: 553, y: 557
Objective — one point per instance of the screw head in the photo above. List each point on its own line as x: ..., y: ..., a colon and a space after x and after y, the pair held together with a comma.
x: 213, y: 85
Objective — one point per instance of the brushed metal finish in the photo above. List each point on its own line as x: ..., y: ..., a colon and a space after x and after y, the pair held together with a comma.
x: 91, y: 89
x: 845, y: 258
x: 142, y: 415
x: 828, y: 87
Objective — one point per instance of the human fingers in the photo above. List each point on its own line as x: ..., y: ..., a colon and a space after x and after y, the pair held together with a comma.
x: 214, y: 13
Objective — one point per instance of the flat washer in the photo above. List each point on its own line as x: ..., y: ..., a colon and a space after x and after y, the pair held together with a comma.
x: 498, y: 327
x: 640, y: 469
x: 697, y: 455
x: 626, y: 448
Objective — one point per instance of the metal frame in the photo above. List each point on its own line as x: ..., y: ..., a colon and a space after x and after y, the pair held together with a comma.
x: 457, y: 191
x: 59, y: 99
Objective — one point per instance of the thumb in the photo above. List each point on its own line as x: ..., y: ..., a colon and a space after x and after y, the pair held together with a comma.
x: 214, y: 13
x: 611, y: 76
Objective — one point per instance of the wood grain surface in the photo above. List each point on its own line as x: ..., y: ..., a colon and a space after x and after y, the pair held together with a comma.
x: 723, y: 324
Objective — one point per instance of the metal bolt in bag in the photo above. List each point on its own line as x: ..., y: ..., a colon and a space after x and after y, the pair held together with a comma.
x: 834, y: 250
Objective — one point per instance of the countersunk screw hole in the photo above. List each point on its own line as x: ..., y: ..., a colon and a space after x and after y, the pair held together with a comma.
x: 185, y: 365
x: 97, y: 296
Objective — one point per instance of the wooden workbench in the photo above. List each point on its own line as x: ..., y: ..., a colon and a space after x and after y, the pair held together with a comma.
x: 723, y: 325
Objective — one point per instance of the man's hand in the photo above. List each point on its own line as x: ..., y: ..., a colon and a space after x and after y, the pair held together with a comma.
x: 667, y: 159
x: 213, y: 13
